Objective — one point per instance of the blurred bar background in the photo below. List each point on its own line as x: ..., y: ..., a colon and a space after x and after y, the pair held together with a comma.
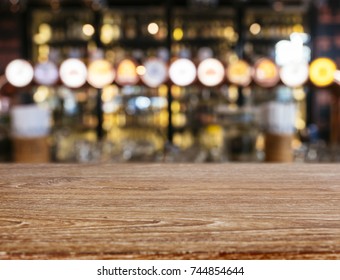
x: 266, y: 107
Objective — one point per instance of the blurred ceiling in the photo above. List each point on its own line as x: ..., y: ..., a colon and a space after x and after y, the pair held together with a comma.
x: 97, y: 4
x: 20, y: 5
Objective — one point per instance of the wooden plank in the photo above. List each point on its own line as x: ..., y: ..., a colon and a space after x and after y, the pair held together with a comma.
x: 170, y: 211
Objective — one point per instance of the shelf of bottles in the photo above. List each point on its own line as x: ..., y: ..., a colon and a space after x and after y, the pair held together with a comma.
x: 197, y: 35
x: 208, y: 123
x: 197, y: 28
x: 135, y: 115
x: 283, y: 37
x: 60, y: 35
x: 56, y: 37
x: 264, y: 28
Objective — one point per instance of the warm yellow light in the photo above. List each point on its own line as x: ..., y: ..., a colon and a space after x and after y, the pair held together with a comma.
x: 296, y: 144
x: 298, y: 28
x: 109, y: 92
x: 178, y: 34
x: 183, y: 140
x: 233, y: 107
x: 178, y: 139
x: 88, y: 30
x: 41, y: 94
x: 108, y: 122
x: 45, y: 28
x: 44, y: 49
x: 260, y: 143
x: 44, y: 35
x: 232, y: 58
x: 153, y: 28
x: 300, y: 124
x: 211, y: 136
x: 163, y: 90
x: 106, y: 34
x: 299, y: 94
x: 175, y: 107
x: 109, y: 32
x: 321, y: 71
x: 229, y: 32
x: 233, y: 93
x: 179, y: 120
x: 140, y: 70
x: 255, y: 28
x: 38, y: 39
x: 164, y: 118
x: 234, y: 38
x: 43, y: 53
x: 175, y: 91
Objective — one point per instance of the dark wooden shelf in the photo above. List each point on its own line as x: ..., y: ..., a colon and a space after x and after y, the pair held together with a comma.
x: 138, y: 43
x: 208, y: 40
x: 70, y: 42
x: 266, y: 40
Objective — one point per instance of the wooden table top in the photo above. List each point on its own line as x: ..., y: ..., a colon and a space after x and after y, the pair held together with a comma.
x: 170, y: 211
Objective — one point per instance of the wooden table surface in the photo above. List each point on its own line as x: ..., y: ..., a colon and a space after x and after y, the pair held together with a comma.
x: 170, y: 211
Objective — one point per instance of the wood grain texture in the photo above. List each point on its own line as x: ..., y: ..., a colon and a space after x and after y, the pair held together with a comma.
x: 170, y: 211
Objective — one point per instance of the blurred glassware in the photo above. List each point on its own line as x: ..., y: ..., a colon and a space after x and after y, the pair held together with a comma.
x: 241, y: 130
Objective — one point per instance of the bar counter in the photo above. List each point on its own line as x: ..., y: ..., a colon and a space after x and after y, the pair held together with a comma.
x: 170, y: 211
